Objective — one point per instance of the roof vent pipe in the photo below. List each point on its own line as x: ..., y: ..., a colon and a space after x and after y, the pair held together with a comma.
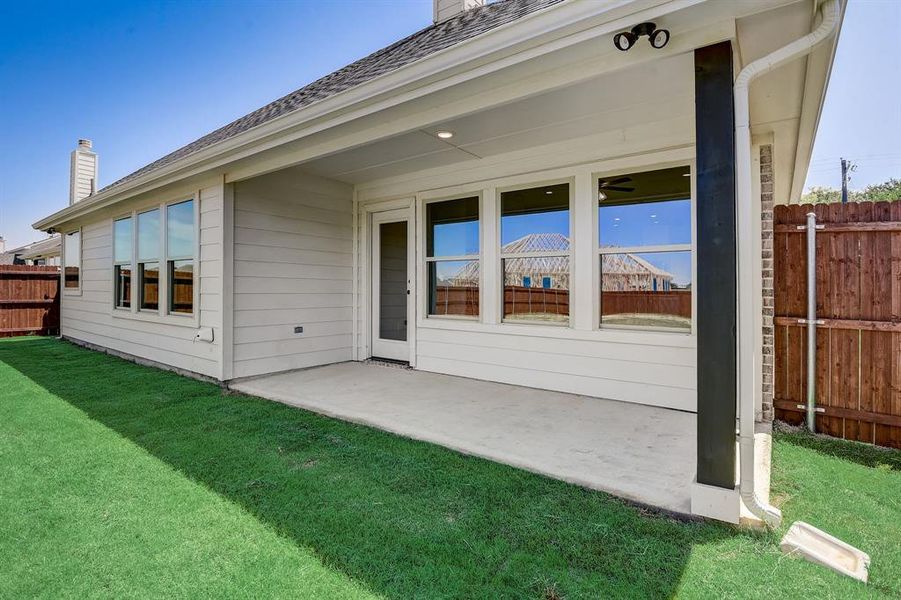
x: 748, y: 319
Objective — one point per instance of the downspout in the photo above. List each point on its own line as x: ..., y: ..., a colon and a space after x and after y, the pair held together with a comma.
x: 829, y: 13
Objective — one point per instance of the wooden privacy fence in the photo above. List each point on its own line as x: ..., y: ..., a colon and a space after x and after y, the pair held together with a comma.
x: 464, y: 300
x: 673, y: 302
x: 29, y: 300
x: 858, y: 299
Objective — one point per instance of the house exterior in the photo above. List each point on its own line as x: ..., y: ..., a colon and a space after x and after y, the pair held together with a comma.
x: 326, y: 226
x: 43, y: 252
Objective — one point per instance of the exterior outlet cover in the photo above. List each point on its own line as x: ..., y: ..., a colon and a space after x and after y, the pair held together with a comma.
x: 298, y: 329
x: 204, y: 334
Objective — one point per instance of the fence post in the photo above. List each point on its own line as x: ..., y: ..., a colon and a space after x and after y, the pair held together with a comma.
x: 811, y: 320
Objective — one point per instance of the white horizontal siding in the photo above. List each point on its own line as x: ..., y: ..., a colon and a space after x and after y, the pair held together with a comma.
x: 646, y: 374
x: 89, y: 316
x: 293, y: 267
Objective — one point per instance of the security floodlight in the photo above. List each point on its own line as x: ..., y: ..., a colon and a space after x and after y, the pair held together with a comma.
x: 657, y: 37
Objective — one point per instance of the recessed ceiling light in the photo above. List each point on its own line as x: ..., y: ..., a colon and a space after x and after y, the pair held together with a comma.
x: 445, y: 134
x: 686, y: 174
x: 549, y: 192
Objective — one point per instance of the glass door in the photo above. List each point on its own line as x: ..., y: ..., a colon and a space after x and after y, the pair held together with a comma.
x: 391, y: 284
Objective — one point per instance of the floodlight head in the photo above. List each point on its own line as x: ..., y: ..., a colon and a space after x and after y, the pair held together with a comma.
x: 624, y: 41
x: 659, y: 38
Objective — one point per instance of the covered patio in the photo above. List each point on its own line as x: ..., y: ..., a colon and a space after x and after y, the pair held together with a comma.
x: 642, y: 453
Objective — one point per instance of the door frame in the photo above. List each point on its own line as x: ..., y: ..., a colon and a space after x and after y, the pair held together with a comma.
x: 405, y: 208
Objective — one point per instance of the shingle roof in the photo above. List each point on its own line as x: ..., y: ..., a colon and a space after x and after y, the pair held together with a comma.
x: 421, y: 44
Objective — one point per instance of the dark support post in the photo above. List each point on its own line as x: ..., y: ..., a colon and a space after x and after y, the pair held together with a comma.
x: 716, y: 265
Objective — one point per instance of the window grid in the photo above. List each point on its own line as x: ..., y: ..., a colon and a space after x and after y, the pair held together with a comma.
x: 122, y: 267
x: 551, y: 305
x: 72, y: 261
x: 180, y: 294
x: 151, y: 271
x: 609, y: 250
x: 470, y: 309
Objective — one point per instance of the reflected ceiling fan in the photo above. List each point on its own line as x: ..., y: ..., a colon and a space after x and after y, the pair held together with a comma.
x: 612, y: 185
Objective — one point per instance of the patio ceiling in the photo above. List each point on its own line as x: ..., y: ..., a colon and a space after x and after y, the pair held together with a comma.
x: 659, y: 91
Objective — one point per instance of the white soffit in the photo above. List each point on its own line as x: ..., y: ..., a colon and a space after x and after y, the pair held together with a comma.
x: 657, y: 91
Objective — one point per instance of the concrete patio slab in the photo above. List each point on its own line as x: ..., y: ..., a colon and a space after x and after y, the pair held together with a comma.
x: 641, y: 453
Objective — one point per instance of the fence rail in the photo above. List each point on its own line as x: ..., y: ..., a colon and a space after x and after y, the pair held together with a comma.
x: 858, y: 281
x: 29, y: 300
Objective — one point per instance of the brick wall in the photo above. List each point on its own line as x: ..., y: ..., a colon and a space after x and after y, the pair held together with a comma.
x: 767, y: 202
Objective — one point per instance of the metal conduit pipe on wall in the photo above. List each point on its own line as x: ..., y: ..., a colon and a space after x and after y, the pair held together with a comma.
x: 748, y: 365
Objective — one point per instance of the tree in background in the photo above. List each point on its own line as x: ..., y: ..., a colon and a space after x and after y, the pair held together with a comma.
x: 887, y: 191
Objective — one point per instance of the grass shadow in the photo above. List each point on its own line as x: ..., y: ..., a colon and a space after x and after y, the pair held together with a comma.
x: 867, y: 455
x: 406, y: 518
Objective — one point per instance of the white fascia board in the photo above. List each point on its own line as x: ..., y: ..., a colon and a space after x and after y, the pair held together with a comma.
x: 539, y: 28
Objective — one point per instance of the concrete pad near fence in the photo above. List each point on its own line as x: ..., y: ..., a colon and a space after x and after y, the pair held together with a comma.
x: 637, y: 452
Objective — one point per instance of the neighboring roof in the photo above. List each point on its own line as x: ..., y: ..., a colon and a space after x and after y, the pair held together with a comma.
x: 421, y: 44
x: 46, y: 247
x: 538, y: 242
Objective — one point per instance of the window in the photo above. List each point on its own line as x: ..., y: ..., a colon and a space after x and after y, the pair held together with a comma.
x: 180, y: 256
x: 122, y: 248
x: 535, y: 251
x: 72, y: 268
x: 148, y: 260
x: 452, y: 257
x: 644, y: 229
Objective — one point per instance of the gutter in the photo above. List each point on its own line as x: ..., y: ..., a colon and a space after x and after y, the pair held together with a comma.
x: 829, y: 13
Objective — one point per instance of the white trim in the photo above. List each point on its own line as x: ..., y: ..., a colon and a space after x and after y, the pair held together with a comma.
x: 690, y: 247
x: 161, y: 314
x: 227, y: 281
x: 394, y: 349
x: 645, y: 249
x: 422, y: 291
x: 489, y: 320
x: 502, y: 256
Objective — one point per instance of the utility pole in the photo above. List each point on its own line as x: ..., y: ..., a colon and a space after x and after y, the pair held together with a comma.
x: 844, y: 181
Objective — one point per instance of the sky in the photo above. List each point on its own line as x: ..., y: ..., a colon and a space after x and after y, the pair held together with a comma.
x: 141, y: 79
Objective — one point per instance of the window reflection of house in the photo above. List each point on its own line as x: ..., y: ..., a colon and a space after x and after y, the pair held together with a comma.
x: 630, y: 273
x: 622, y: 272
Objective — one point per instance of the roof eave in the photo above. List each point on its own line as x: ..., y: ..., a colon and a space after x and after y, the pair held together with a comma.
x: 553, y: 18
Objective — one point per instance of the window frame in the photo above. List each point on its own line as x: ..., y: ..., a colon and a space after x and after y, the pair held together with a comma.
x: 77, y: 290
x: 502, y: 256
x: 161, y: 314
x: 461, y: 257
x: 167, y: 258
x: 138, y: 272
x: 690, y: 247
x: 130, y: 263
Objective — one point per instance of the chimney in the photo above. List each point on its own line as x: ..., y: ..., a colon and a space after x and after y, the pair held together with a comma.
x: 82, y: 173
x: 2, y: 245
x: 442, y: 10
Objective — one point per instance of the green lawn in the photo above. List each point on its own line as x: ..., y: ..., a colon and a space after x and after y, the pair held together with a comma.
x: 120, y: 480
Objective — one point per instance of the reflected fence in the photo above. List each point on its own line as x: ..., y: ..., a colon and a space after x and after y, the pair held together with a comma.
x: 464, y: 301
